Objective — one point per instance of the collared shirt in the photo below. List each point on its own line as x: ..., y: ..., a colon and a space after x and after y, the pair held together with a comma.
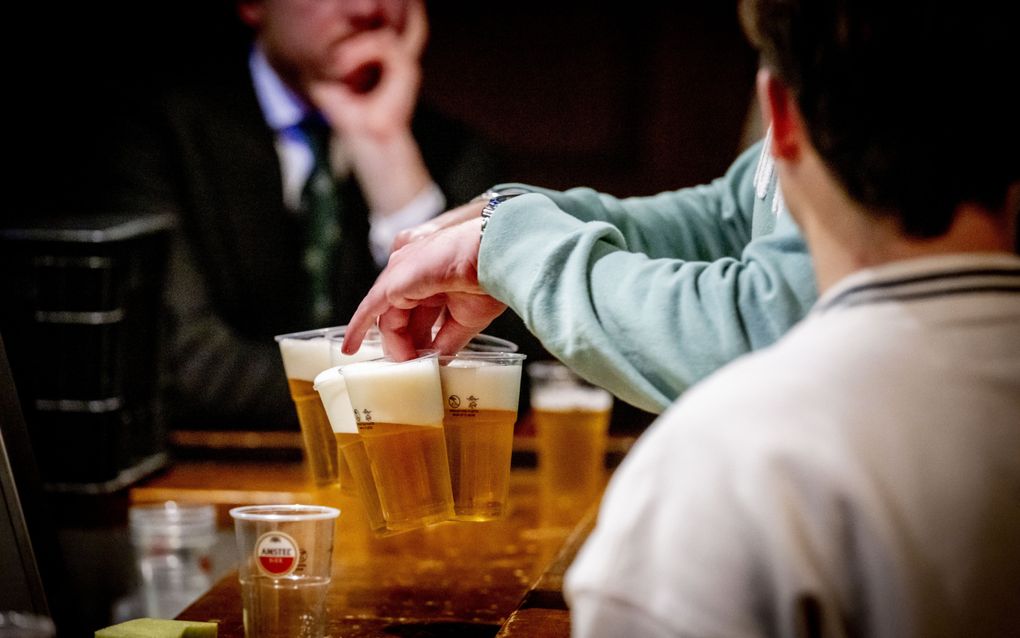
x: 859, y: 475
x: 283, y: 111
x: 767, y: 189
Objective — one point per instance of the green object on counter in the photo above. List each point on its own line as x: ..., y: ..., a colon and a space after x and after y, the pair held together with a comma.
x: 159, y: 628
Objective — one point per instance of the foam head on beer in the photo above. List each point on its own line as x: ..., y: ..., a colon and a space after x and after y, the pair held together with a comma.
x: 332, y: 391
x: 556, y: 388
x: 407, y: 392
x: 570, y: 397
x: 481, y: 384
x: 332, y: 387
x: 304, y: 358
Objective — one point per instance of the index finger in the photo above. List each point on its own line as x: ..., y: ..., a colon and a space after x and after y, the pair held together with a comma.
x: 363, y: 319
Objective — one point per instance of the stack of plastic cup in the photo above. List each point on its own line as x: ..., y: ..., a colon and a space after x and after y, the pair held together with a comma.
x: 173, y: 548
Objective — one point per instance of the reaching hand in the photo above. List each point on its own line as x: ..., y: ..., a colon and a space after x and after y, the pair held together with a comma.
x: 431, y: 278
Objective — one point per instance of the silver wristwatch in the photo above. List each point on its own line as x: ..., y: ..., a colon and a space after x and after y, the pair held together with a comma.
x: 496, y: 197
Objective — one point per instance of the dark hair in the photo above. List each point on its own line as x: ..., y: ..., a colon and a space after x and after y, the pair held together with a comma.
x: 907, y: 103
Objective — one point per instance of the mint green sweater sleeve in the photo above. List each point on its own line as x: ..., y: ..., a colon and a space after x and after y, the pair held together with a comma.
x: 645, y: 296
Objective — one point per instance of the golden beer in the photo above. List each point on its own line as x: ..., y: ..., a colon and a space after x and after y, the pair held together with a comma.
x: 351, y: 447
x: 399, y: 414
x: 479, y: 447
x: 480, y: 393
x: 316, y: 434
x: 571, y: 426
x: 411, y: 474
x: 571, y: 453
x: 305, y: 355
x: 355, y: 466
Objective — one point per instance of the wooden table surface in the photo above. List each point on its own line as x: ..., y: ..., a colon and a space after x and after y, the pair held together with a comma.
x: 453, y: 579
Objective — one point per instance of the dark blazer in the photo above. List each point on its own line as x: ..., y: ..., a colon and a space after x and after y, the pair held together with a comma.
x: 205, y: 153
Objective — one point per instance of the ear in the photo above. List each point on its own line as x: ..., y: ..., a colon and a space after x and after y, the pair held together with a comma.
x: 251, y: 12
x: 779, y: 108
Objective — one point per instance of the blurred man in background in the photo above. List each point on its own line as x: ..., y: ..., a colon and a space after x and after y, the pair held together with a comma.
x: 289, y: 170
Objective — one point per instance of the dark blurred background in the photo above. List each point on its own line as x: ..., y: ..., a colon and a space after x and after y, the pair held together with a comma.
x: 632, y: 98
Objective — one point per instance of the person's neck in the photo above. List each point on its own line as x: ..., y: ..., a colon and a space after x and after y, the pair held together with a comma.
x: 843, y: 237
x: 864, y: 241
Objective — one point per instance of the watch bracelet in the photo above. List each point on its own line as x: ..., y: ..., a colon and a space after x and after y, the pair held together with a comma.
x: 493, y: 199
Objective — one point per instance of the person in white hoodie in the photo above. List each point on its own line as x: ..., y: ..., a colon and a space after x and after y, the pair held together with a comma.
x: 860, y: 477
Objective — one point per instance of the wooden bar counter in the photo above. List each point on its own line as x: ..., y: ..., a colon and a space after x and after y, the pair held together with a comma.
x: 453, y: 579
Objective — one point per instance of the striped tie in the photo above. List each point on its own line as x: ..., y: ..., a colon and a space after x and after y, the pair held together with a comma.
x: 320, y: 205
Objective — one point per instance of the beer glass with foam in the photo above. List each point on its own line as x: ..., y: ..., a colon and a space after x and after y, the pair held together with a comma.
x: 572, y: 425
x: 306, y: 354
x: 341, y: 419
x: 332, y: 388
x: 480, y: 393
x: 399, y: 413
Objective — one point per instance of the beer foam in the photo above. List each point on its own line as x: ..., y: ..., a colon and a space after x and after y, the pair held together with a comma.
x: 332, y: 389
x: 487, y: 386
x: 303, y: 359
x: 564, y: 398
x: 407, y: 393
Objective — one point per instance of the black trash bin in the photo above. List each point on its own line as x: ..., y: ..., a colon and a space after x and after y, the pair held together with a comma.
x: 81, y: 318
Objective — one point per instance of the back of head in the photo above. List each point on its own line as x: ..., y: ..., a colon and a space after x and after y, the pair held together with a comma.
x: 908, y: 104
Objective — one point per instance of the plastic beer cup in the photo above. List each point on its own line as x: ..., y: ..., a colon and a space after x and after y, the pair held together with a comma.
x: 351, y: 448
x: 286, y: 556
x: 480, y: 395
x: 399, y: 413
x: 572, y: 427
x: 332, y: 388
x: 306, y: 354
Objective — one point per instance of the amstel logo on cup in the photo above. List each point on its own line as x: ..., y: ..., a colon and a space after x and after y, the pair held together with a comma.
x: 276, y: 554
